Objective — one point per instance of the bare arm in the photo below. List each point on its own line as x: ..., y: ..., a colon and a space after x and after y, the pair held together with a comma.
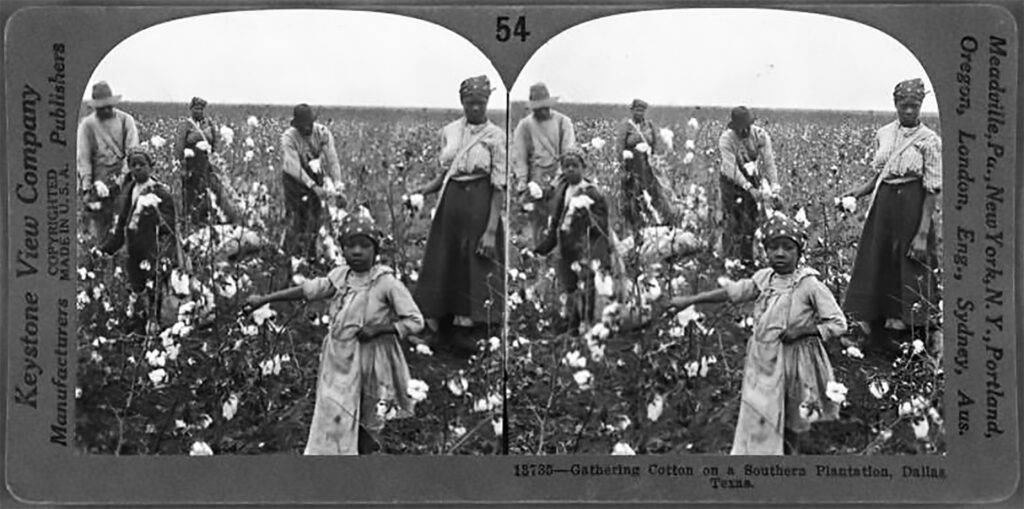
x: 865, y: 188
x: 288, y: 294
x: 433, y: 186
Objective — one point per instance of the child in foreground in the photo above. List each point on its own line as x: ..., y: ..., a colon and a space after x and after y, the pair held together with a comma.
x: 363, y: 374
x: 786, y: 371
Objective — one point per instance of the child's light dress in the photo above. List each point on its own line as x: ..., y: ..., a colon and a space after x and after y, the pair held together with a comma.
x: 784, y: 385
x: 360, y: 382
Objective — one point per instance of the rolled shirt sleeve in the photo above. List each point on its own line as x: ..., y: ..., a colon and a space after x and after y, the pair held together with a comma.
x: 499, y: 159
x: 931, y: 152
x: 317, y: 288
x: 520, y: 153
x: 84, y: 155
x: 131, y: 137
x: 728, y: 161
x: 568, y: 135
x: 744, y: 290
x: 767, y: 155
x: 333, y: 165
x: 290, y: 162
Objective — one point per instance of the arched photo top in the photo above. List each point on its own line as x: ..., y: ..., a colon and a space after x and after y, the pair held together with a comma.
x: 322, y: 57
x: 722, y: 57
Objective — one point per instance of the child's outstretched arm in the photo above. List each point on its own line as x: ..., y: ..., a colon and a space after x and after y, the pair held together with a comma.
x: 684, y: 301
x: 256, y: 301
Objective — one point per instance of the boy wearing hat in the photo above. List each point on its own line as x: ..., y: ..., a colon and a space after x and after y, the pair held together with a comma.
x: 104, y: 139
x: 308, y: 155
x: 747, y: 168
x: 539, y: 140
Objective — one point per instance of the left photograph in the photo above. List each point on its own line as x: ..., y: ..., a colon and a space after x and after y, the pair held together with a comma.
x: 290, y: 239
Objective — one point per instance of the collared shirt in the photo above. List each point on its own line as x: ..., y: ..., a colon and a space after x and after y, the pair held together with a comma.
x: 104, y: 144
x: 298, y: 150
x: 474, y: 151
x: 736, y: 151
x: 537, y: 147
x: 921, y: 159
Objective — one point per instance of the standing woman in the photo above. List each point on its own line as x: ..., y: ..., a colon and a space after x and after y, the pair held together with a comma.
x: 461, y: 289
x: 892, y: 285
x: 196, y: 141
x: 636, y: 140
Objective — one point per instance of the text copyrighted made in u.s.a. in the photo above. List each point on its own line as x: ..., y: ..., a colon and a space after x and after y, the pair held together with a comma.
x: 670, y: 252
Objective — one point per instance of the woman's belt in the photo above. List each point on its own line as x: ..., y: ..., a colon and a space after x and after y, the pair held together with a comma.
x: 904, y: 179
x: 468, y: 177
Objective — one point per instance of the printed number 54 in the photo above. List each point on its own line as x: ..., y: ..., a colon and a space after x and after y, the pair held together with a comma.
x: 506, y: 31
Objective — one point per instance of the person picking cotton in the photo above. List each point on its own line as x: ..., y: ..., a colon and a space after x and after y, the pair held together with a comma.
x: 370, y: 311
x: 786, y: 372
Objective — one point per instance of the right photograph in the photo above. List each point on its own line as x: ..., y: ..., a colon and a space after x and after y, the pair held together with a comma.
x: 724, y: 238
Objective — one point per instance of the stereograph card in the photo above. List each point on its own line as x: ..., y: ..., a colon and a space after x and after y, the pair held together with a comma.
x: 667, y: 252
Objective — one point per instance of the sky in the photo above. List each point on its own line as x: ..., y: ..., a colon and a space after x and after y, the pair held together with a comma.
x: 678, y: 57
x: 724, y: 57
x: 292, y: 56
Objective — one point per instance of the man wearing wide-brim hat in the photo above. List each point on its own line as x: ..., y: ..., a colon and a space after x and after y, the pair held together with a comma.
x: 308, y: 157
x: 104, y: 139
x: 538, y: 143
x: 747, y: 178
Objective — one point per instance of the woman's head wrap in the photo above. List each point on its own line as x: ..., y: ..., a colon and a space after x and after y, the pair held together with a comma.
x: 144, y: 151
x: 780, y: 226
x: 355, y: 225
x: 909, y: 89
x: 638, y: 103
x: 197, y: 101
x: 475, y: 87
x: 574, y: 153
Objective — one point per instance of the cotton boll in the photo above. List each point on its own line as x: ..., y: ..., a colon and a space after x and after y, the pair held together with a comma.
x: 655, y: 408
x: 622, y: 449
x: 836, y: 392
x: 583, y: 378
x: 535, y: 191
x: 227, y: 133
x: 200, y: 448
x: 597, y: 143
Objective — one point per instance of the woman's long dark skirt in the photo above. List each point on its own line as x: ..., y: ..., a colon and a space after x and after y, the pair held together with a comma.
x: 885, y: 282
x: 455, y: 280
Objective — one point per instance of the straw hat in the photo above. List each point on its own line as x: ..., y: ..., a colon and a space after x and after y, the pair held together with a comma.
x: 540, y: 97
x: 102, y: 96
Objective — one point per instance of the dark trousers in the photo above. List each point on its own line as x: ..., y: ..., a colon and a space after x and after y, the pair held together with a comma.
x: 305, y: 213
x: 740, y: 219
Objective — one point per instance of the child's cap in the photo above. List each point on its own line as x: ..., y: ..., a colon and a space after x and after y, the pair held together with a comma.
x: 144, y: 151
x: 574, y: 153
x: 780, y: 226
x: 355, y: 225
